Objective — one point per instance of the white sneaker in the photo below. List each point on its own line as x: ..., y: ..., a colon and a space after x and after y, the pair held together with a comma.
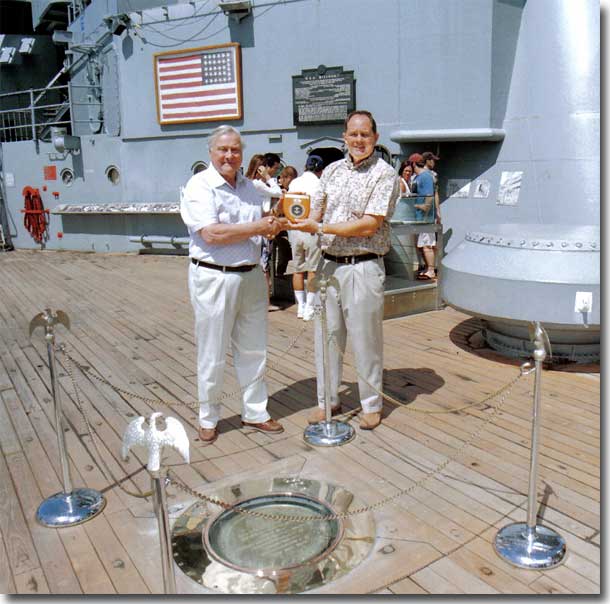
x: 308, y: 313
x: 300, y: 311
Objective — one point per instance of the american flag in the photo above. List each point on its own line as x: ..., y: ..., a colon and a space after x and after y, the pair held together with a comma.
x: 202, y: 85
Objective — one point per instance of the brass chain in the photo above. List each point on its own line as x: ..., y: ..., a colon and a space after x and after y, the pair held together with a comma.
x: 106, y: 471
x: 194, y: 406
x: 505, y: 390
x: 109, y: 475
x: 408, y: 407
x: 347, y: 415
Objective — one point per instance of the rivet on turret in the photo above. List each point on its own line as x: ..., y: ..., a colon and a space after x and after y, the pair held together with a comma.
x: 593, y: 244
x: 549, y: 244
x: 523, y: 242
x: 534, y: 243
x: 564, y: 244
x: 578, y: 244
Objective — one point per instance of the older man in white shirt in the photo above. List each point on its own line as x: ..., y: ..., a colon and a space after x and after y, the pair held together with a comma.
x: 223, y: 213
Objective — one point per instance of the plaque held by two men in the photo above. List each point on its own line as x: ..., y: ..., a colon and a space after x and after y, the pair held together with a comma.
x: 296, y: 206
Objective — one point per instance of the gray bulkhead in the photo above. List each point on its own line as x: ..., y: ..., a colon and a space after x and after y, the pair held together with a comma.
x: 492, y: 86
x: 418, y: 66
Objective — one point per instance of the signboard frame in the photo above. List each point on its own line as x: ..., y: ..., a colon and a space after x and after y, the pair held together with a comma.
x: 323, y: 76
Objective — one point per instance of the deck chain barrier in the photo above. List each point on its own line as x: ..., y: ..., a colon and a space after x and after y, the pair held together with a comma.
x: 194, y: 406
x: 524, y: 370
x: 505, y: 390
x: 106, y: 471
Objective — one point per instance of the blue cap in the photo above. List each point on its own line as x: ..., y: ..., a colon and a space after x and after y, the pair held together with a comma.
x: 315, y: 163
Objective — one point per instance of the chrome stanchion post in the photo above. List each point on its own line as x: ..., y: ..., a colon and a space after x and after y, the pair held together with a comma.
x: 527, y: 544
x: 160, y: 507
x: 71, y: 506
x: 139, y: 432
x: 328, y: 433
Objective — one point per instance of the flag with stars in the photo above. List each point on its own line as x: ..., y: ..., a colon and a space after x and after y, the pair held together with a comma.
x: 199, y: 85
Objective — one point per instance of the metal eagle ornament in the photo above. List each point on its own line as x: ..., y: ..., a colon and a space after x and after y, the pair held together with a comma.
x: 47, y: 320
x: 141, y: 432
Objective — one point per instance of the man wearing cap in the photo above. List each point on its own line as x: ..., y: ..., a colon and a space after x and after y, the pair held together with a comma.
x: 305, y: 249
x: 423, y: 186
x: 351, y: 212
x: 223, y: 213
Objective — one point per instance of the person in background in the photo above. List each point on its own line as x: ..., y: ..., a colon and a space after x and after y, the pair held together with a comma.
x: 427, y: 241
x: 351, y: 213
x: 281, y: 243
x: 423, y: 184
x: 405, y: 173
x: 262, y: 176
x: 305, y: 249
x: 261, y: 171
x: 431, y: 160
x: 273, y: 163
x: 223, y: 213
x: 403, y: 211
x: 287, y: 175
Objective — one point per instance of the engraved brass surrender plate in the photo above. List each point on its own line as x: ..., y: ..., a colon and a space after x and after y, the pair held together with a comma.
x: 254, y: 544
x: 230, y: 552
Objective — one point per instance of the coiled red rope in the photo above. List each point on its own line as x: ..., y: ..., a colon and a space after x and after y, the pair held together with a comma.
x: 35, y: 217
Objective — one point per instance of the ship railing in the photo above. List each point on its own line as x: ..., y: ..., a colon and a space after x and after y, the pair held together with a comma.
x: 29, y: 114
x: 76, y: 8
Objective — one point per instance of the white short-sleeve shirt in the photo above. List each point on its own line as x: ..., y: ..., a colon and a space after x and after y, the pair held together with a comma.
x: 307, y: 183
x: 209, y: 199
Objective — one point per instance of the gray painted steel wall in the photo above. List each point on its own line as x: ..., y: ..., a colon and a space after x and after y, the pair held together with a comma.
x: 438, y: 65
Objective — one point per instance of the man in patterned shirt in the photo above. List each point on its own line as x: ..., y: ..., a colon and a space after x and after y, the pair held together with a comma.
x: 351, y: 212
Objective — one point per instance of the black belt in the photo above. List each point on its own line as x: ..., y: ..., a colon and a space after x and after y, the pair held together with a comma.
x: 225, y: 269
x: 350, y: 259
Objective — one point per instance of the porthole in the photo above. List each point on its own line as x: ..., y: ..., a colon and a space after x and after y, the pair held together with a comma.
x: 67, y: 177
x: 113, y: 175
x: 198, y: 166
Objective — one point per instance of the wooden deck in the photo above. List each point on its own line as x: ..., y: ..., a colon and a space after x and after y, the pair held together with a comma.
x: 132, y: 323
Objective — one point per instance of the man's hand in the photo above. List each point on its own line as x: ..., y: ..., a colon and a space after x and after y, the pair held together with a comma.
x: 285, y: 224
x: 307, y: 225
x: 271, y: 226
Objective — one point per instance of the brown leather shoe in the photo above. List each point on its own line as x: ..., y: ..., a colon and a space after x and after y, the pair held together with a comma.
x: 207, y: 435
x: 268, y: 427
x: 368, y: 421
x: 319, y: 415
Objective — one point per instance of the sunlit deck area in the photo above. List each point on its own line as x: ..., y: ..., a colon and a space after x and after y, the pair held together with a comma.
x: 131, y: 324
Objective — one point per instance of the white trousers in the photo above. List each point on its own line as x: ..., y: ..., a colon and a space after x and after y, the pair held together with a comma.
x: 230, y: 308
x: 357, y: 310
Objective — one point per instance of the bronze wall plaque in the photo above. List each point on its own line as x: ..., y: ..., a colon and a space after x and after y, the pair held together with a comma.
x: 324, y: 95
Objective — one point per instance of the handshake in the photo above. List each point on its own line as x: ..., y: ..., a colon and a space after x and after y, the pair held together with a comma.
x: 271, y: 225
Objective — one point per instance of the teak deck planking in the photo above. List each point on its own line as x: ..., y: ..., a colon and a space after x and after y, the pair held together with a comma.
x: 132, y: 324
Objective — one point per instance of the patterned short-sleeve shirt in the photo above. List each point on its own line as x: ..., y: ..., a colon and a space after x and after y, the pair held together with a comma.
x: 348, y: 192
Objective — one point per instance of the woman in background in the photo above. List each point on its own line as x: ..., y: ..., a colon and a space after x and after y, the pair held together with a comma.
x: 262, y: 179
x: 287, y: 175
x: 406, y: 174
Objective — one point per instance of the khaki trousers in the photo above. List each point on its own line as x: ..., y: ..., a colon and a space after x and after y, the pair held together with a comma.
x: 230, y: 308
x: 356, y: 310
